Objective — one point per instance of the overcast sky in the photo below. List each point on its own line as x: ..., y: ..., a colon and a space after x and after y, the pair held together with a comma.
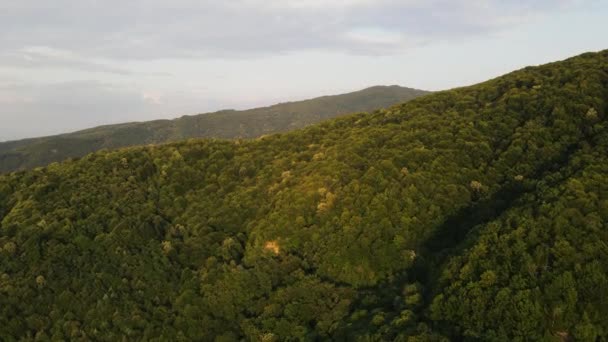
x: 72, y: 64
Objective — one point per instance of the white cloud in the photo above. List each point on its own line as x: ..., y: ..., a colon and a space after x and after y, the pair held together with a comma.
x: 316, y: 4
x: 152, y: 29
x: 152, y: 97
x: 39, y: 56
x: 374, y: 36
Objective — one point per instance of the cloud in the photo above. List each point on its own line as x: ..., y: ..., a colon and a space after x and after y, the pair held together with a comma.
x: 153, y: 29
x: 152, y: 97
x: 44, y: 56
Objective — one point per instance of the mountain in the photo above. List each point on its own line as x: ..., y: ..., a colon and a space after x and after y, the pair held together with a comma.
x: 229, y: 124
x: 479, y: 213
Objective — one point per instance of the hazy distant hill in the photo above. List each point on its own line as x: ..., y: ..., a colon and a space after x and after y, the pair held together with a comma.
x: 28, y: 153
x: 474, y: 214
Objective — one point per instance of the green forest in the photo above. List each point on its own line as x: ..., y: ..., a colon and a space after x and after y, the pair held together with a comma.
x: 473, y: 214
x: 227, y: 124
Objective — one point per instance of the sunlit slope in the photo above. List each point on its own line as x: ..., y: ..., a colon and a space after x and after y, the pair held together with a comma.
x: 477, y: 213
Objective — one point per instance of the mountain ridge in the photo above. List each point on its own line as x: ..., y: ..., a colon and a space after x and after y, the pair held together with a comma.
x: 226, y: 124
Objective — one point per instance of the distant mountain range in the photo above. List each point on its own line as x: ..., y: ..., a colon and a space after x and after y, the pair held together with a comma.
x: 228, y: 124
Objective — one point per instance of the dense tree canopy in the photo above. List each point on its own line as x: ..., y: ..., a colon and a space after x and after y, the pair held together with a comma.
x: 477, y: 213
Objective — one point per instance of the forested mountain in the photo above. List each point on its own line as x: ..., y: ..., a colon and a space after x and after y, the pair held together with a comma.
x: 478, y: 213
x: 229, y: 124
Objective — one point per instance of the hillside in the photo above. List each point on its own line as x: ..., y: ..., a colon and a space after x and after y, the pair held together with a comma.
x: 478, y: 213
x: 229, y: 124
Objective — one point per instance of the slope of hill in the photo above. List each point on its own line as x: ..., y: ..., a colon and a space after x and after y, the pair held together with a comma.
x: 478, y: 213
x: 28, y: 153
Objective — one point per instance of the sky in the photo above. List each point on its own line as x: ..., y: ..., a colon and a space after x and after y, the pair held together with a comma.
x: 71, y: 64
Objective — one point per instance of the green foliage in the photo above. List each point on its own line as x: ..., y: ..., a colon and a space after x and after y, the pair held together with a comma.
x: 227, y: 124
x: 472, y: 214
